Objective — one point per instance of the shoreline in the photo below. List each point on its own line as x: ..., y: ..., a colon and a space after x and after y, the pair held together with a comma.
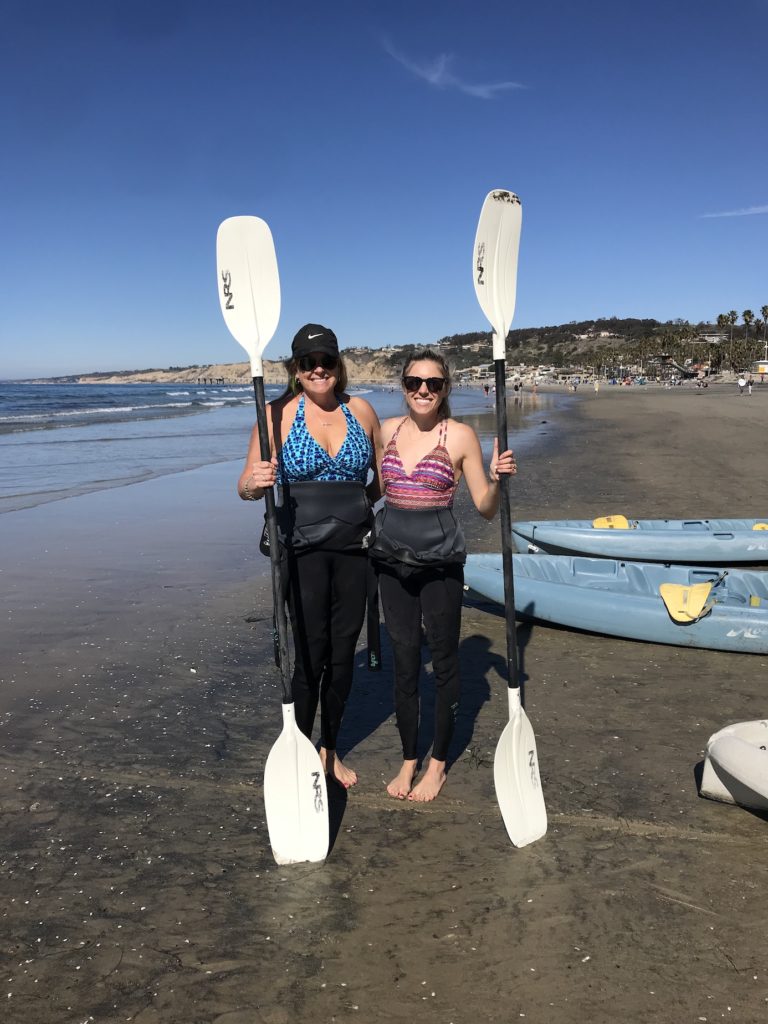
x: 47, y: 464
x: 139, y: 882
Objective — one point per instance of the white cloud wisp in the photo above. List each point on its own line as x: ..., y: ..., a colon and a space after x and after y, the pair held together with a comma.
x: 749, y: 211
x: 438, y: 74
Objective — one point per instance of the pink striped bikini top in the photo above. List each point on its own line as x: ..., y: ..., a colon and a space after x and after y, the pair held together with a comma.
x: 430, y: 485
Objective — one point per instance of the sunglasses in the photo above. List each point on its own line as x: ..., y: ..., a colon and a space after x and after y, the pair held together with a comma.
x: 307, y: 363
x: 434, y: 384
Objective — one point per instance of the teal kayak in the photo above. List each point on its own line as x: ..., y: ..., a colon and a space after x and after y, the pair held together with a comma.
x: 683, y: 605
x: 686, y: 541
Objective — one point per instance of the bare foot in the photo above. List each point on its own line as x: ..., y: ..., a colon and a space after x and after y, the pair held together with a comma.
x: 400, y: 786
x: 335, y: 770
x: 430, y: 783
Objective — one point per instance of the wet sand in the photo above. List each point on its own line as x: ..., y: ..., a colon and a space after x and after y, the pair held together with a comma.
x: 139, y: 701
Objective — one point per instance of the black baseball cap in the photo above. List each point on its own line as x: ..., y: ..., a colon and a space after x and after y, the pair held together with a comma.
x: 314, y: 338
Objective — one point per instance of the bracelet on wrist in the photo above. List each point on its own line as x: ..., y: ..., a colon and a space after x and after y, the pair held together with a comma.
x: 246, y: 492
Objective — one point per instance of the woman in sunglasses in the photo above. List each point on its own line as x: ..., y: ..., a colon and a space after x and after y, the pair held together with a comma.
x: 323, y: 444
x: 419, y: 552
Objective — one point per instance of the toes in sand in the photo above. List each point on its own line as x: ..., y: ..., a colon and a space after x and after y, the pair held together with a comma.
x: 400, y: 786
x: 430, y: 784
x: 335, y: 770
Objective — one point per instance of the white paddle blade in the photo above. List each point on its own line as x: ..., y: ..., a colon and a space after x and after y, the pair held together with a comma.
x: 295, y: 797
x: 516, y: 776
x: 249, y: 284
x: 494, y: 268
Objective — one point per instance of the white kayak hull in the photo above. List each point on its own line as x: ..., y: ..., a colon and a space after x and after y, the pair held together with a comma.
x: 736, y: 766
x: 682, y: 541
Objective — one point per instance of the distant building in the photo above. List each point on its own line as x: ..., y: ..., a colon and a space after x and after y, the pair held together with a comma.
x: 713, y: 339
x: 597, y: 334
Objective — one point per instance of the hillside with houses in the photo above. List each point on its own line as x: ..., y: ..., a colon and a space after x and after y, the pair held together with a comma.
x: 609, y: 348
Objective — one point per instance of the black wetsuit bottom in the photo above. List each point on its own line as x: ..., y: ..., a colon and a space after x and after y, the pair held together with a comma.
x: 433, y: 596
x: 326, y: 593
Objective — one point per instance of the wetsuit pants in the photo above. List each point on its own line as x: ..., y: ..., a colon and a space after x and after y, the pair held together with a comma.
x: 434, y: 596
x: 326, y: 592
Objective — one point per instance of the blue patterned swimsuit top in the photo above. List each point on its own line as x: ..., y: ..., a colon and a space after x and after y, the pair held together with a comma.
x: 302, y: 458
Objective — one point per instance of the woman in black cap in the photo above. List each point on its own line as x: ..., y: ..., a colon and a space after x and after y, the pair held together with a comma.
x: 323, y: 445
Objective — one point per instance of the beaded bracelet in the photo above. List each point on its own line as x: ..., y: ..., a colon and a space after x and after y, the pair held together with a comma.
x: 246, y: 492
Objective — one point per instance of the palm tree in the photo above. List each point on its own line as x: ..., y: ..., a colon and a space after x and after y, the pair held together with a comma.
x: 733, y: 316
x: 764, y: 314
x: 747, y: 316
x: 722, y: 323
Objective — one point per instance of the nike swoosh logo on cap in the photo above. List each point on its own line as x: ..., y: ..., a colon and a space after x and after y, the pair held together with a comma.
x: 311, y: 337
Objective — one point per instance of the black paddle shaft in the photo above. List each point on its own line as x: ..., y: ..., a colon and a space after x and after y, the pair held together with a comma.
x: 278, y: 598
x: 506, y: 527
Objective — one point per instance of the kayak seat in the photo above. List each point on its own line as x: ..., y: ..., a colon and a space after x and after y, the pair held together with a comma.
x: 611, y: 523
x: 686, y: 604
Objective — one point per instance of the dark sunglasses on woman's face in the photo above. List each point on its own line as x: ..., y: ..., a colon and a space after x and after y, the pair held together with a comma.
x: 434, y: 384
x: 308, y: 363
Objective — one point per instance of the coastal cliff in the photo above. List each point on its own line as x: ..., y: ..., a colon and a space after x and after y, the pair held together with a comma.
x: 362, y: 365
x: 610, y: 343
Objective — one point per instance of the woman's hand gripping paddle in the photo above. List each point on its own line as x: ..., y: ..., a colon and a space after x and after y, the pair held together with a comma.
x: 294, y: 781
x: 494, y: 269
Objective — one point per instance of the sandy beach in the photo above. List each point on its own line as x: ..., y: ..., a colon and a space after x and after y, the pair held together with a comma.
x: 139, y: 699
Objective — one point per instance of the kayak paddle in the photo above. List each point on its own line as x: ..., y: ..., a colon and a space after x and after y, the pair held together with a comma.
x: 295, y: 795
x: 494, y: 270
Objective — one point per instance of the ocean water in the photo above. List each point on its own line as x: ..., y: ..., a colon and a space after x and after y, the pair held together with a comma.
x: 61, y: 440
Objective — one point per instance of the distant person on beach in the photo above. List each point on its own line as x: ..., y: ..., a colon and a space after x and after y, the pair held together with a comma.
x: 749, y: 385
x: 323, y: 444
x: 597, y: 385
x: 742, y: 385
x: 419, y: 553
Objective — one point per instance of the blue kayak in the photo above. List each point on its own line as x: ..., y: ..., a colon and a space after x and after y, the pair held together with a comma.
x: 687, y: 541
x: 625, y: 599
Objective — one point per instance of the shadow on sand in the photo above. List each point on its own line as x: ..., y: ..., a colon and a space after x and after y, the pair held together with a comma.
x: 371, y: 703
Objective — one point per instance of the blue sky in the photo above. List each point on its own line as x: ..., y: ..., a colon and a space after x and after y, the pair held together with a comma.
x: 367, y: 135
